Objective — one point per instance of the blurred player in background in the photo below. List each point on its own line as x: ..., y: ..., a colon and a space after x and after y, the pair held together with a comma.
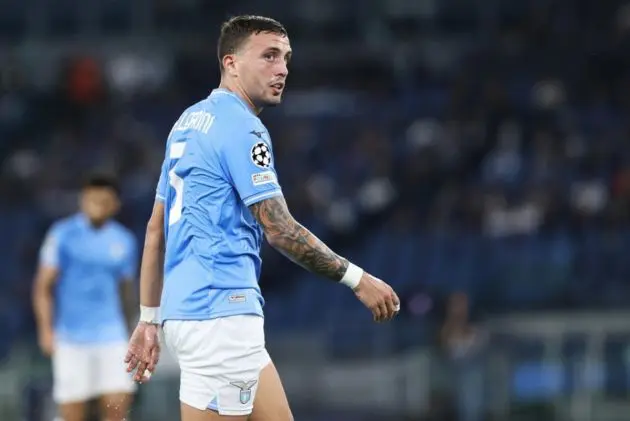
x: 218, y: 192
x: 86, y: 261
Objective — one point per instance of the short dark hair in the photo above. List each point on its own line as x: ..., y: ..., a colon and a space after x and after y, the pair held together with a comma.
x: 102, y: 179
x: 235, y: 32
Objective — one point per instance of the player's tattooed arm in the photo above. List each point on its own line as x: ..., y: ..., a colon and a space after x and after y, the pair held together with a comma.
x: 297, y: 243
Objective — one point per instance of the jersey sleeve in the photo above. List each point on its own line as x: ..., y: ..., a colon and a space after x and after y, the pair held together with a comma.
x: 248, y: 160
x: 162, y: 185
x: 50, y: 251
x: 129, y: 265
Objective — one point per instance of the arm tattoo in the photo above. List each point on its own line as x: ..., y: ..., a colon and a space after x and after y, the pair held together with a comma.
x: 296, y: 242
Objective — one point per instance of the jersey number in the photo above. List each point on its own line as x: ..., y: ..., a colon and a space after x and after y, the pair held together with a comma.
x: 176, y: 152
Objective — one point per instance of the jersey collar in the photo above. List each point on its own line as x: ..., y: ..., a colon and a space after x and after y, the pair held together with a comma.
x: 84, y: 223
x: 221, y: 91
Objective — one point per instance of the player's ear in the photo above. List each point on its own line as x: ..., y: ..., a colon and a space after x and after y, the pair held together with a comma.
x: 229, y: 64
x: 81, y: 199
x: 116, y: 205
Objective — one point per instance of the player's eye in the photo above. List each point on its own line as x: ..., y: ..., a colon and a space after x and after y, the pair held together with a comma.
x: 269, y: 56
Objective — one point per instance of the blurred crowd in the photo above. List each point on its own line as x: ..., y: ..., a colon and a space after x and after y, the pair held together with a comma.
x: 518, y: 132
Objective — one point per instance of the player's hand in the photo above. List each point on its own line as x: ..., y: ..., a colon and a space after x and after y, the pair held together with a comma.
x: 143, y: 353
x: 377, y: 296
x: 46, y: 340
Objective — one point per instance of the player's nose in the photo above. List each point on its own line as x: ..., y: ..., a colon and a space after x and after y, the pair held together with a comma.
x: 282, y: 70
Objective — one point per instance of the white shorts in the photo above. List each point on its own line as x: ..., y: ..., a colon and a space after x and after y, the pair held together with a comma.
x: 220, y: 361
x: 83, y: 372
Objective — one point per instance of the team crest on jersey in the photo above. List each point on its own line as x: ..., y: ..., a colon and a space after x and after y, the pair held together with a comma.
x: 117, y: 250
x: 261, y: 155
x: 245, y: 390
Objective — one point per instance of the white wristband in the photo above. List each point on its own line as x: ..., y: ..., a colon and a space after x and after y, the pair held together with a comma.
x: 150, y: 315
x: 352, y: 277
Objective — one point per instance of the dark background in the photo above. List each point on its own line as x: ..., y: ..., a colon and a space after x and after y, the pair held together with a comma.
x: 475, y: 154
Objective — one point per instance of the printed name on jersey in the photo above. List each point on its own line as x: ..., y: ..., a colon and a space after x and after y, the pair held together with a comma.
x: 197, y: 120
x: 266, y: 177
x: 261, y: 155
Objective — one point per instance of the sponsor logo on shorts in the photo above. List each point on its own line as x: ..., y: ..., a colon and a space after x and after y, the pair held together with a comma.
x: 245, y: 390
x: 237, y: 298
x: 261, y: 178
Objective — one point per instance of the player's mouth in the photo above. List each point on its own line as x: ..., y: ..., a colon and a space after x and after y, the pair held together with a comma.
x: 277, y: 87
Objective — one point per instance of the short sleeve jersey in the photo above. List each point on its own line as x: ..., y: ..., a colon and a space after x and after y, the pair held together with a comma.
x: 218, y: 162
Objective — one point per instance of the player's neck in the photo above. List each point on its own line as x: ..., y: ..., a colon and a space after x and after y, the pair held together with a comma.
x: 98, y: 224
x: 95, y: 223
x: 236, y: 90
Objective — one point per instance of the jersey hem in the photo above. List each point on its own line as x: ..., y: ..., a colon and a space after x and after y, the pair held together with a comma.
x: 69, y: 341
x: 211, y: 316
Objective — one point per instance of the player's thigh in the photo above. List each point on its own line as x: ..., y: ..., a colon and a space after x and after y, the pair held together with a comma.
x: 115, y: 406
x: 111, y: 374
x: 193, y: 414
x: 271, y: 403
x: 73, y: 374
x: 75, y: 411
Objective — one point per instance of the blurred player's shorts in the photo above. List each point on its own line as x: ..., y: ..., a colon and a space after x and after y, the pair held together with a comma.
x: 85, y: 371
x: 220, y: 361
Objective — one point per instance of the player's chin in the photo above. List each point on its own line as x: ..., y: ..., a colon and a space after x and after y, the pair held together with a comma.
x: 273, y: 101
x: 274, y: 97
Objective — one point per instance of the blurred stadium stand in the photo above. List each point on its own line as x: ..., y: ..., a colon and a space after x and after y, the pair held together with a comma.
x: 454, y: 146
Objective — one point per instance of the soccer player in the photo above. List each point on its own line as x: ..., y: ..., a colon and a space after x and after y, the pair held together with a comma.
x: 217, y: 194
x: 86, y: 261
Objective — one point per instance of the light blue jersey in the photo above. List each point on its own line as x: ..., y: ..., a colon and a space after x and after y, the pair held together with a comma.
x: 218, y: 162
x: 92, y: 262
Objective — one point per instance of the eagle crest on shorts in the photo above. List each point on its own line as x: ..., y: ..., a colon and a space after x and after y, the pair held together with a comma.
x: 246, y: 390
